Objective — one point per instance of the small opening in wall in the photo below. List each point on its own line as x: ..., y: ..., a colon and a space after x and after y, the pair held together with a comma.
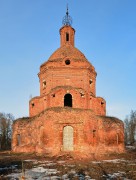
x: 94, y: 131
x: 82, y: 94
x: 90, y: 81
x: 32, y: 105
x: 67, y: 36
x: 67, y: 62
x: 53, y: 95
x: 18, y: 139
x: 102, y: 103
x: 44, y: 84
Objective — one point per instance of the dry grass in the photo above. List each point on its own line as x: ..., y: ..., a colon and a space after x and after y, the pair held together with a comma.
x: 69, y: 165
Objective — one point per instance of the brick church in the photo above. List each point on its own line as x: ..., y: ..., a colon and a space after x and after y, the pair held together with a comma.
x: 68, y: 116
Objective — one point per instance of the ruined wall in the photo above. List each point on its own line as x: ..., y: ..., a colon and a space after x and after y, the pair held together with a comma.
x: 91, y: 134
x: 68, y: 79
x: 67, y: 71
x: 80, y: 99
x: 76, y: 74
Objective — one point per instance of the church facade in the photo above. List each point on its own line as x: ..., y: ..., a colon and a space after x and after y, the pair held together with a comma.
x: 68, y: 116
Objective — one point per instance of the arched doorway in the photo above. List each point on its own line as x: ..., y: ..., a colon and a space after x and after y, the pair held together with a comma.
x: 68, y: 138
x: 68, y: 100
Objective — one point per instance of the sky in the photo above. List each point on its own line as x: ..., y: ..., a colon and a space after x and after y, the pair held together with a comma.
x: 105, y: 33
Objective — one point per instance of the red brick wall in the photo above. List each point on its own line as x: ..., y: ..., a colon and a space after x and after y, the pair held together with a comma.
x: 70, y: 31
x: 67, y: 75
x: 58, y: 78
x: 80, y: 99
x: 67, y: 71
x: 92, y: 134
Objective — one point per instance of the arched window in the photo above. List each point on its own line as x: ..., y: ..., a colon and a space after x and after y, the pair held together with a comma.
x: 68, y: 100
x: 67, y: 36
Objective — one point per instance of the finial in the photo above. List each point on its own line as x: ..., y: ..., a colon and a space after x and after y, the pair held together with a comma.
x: 67, y: 10
x: 67, y: 20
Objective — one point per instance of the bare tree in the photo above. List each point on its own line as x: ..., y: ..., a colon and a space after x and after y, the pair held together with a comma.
x: 126, y: 127
x: 5, y: 130
x: 130, y: 128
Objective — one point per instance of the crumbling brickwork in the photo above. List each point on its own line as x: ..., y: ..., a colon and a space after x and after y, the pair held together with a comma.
x: 67, y: 72
x: 91, y: 133
x: 68, y: 116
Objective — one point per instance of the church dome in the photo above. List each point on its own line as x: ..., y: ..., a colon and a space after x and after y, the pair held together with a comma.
x: 69, y: 51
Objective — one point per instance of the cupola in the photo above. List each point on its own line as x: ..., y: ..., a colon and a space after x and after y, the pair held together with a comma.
x: 67, y: 32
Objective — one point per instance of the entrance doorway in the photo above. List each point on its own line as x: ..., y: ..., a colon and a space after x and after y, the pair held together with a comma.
x: 68, y: 100
x: 68, y: 138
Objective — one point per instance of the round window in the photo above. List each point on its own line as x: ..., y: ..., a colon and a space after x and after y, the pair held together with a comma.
x: 67, y: 62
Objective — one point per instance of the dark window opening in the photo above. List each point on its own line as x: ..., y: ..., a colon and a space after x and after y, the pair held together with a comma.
x: 32, y: 105
x: 68, y: 100
x: 18, y: 139
x: 102, y: 103
x: 67, y: 62
x: 53, y: 95
x: 90, y: 81
x: 67, y: 37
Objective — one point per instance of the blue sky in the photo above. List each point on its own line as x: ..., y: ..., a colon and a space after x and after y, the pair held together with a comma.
x: 105, y: 33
